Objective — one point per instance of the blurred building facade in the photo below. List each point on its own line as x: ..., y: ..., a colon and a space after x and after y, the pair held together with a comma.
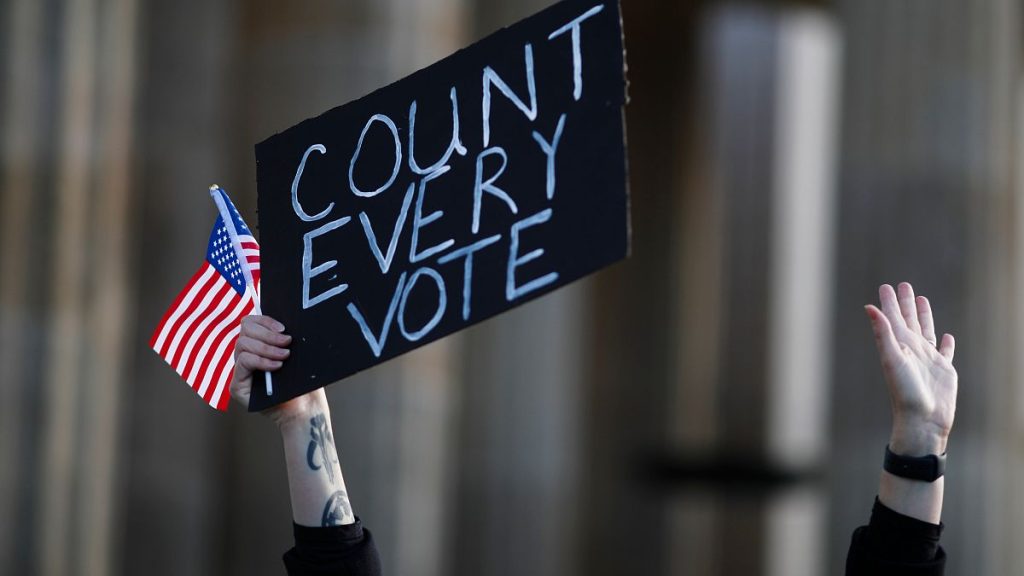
x: 711, y: 406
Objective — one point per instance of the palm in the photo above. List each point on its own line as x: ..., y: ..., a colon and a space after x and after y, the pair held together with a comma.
x: 924, y: 382
x: 918, y: 371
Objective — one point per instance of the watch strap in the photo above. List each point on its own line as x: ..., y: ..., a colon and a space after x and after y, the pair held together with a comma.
x: 925, y: 468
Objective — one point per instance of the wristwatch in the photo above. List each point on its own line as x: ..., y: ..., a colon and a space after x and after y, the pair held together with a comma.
x: 925, y: 468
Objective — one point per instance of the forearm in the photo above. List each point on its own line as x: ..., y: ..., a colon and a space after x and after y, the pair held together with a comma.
x: 315, y: 482
x: 903, y: 534
x: 914, y: 498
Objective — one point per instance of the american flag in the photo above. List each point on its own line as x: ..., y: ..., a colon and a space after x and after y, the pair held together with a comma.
x: 198, y: 332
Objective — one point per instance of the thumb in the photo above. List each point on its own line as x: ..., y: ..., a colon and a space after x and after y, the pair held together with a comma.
x: 241, y: 388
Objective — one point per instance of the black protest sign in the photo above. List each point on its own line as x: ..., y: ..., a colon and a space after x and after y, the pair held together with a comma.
x: 481, y: 182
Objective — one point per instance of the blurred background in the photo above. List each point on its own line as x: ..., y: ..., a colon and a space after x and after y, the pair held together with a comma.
x: 711, y: 406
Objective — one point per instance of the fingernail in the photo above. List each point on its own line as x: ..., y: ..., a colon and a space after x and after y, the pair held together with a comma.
x: 276, y: 364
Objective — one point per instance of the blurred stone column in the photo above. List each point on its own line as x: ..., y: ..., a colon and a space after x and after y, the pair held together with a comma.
x: 753, y: 255
x: 518, y: 472
x: 21, y: 339
x: 928, y: 195
x: 67, y: 226
x: 624, y: 517
x: 175, y: 457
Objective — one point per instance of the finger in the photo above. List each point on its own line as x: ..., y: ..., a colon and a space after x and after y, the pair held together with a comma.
x: 241, y: 371
x: 948, y: 346
x: 239, y: 391
x: 260, y: 348
x: 264, y: 333
x: 885, y: 340
x: 891, y: 309
x: 924, y: 316
x: 252, y: 362
x: 905, y: 295
x: 265, y: 321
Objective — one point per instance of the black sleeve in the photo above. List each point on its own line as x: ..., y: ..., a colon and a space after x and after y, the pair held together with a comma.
x: 334, y: 551
x: 894, y: 544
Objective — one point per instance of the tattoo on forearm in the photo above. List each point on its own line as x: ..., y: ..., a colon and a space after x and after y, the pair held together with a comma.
x: 322, y: 440
x: 337, y: 511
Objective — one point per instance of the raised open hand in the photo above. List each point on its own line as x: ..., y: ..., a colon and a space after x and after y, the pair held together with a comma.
x: 918, y: 371
x: 262, y: 345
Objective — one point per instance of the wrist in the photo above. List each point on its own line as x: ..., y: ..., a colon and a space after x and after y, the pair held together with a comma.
x: 294, y: 423
x: 295, y: 415
x: 917, y: 439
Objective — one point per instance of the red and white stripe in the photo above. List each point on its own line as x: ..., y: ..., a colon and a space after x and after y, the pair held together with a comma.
x: 251, y: 251
x: 198, y: 332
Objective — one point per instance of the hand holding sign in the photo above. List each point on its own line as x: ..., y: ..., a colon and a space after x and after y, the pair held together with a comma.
x: 467, y: 188
x: 262, y: 345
